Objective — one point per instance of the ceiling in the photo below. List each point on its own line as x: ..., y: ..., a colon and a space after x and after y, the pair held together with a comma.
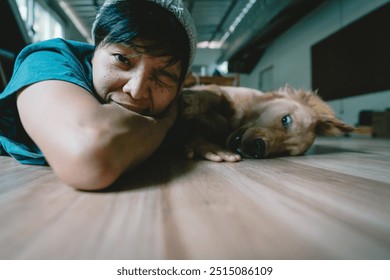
x: 211, y: 17
x: 263, y: 21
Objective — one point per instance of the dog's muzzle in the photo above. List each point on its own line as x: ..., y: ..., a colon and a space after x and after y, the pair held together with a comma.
x: 251, y: 149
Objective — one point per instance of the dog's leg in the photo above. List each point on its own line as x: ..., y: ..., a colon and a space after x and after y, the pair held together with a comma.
x: 206, y: 111
x: 199, y: 100
x: 198, y: 146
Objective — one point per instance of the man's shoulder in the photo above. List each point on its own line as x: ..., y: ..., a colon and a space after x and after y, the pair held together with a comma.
x: 59, y: 45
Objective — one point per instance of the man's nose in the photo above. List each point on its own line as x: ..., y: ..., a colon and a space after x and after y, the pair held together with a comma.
x: 138, y: 84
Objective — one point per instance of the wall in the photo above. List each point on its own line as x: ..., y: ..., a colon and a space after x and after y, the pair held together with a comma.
x: 72, y: 33
x: 289, y: 55
x: 206, y: 58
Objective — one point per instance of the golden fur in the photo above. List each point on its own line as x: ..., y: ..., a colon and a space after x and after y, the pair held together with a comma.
x: 230, y: 122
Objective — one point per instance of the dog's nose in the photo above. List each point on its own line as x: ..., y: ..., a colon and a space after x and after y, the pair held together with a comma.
x: 255, y: 148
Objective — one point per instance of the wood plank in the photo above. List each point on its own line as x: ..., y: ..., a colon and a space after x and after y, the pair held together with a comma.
x: 329, y: 204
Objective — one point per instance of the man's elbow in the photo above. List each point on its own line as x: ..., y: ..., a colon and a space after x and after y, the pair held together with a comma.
x: 89, y: 171
x: 94, y: 162
x: 87, y: 178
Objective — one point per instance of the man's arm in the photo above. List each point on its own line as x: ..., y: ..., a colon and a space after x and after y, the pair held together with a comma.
x: 88, y: 145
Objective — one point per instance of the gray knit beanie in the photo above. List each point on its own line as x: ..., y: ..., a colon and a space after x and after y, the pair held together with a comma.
x: 177, y: 8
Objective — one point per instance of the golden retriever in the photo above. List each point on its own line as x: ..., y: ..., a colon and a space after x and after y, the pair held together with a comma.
x: 227, y: 123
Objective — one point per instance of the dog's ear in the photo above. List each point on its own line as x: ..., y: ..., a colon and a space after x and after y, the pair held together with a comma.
x: 327, y: 123
x: 332, y: 127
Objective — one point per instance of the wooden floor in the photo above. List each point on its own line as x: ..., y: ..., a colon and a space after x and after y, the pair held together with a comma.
x: 333, y: 203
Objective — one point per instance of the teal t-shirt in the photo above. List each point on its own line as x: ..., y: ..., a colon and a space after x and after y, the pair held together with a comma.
x: 54, y: 59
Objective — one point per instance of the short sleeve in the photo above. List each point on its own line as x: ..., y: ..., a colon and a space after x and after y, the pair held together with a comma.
x: 55, y: 59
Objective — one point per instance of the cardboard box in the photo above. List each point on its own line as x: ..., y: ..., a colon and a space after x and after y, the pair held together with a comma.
x: 381, y: 124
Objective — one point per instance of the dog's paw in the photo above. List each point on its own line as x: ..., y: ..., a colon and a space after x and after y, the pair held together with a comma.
x: 210, y: 151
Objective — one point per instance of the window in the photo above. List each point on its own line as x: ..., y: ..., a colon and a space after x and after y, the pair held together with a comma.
x: 22, y: 4
x: 40, y: 20
x: 355, y: 59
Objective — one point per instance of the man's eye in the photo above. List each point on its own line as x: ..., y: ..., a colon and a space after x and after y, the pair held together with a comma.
x: 164, y: 82
x: 121, y: 58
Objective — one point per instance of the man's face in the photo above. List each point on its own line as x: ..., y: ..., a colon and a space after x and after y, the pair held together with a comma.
x: 134, y: 80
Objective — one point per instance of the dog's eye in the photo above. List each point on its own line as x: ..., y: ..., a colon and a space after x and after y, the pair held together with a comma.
x: 286, y: 121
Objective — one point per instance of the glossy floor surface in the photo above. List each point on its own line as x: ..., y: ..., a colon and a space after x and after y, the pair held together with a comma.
x: 333, y: 203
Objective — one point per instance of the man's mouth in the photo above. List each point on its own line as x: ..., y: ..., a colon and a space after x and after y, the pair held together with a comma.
x: 139, y: 110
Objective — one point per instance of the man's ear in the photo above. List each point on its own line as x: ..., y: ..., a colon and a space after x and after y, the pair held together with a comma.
x: 332, y: 127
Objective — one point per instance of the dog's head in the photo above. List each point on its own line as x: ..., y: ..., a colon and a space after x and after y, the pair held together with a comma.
x: 284, y: 122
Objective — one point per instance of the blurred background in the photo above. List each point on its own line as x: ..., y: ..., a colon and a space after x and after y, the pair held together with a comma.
x: 341, y: 48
